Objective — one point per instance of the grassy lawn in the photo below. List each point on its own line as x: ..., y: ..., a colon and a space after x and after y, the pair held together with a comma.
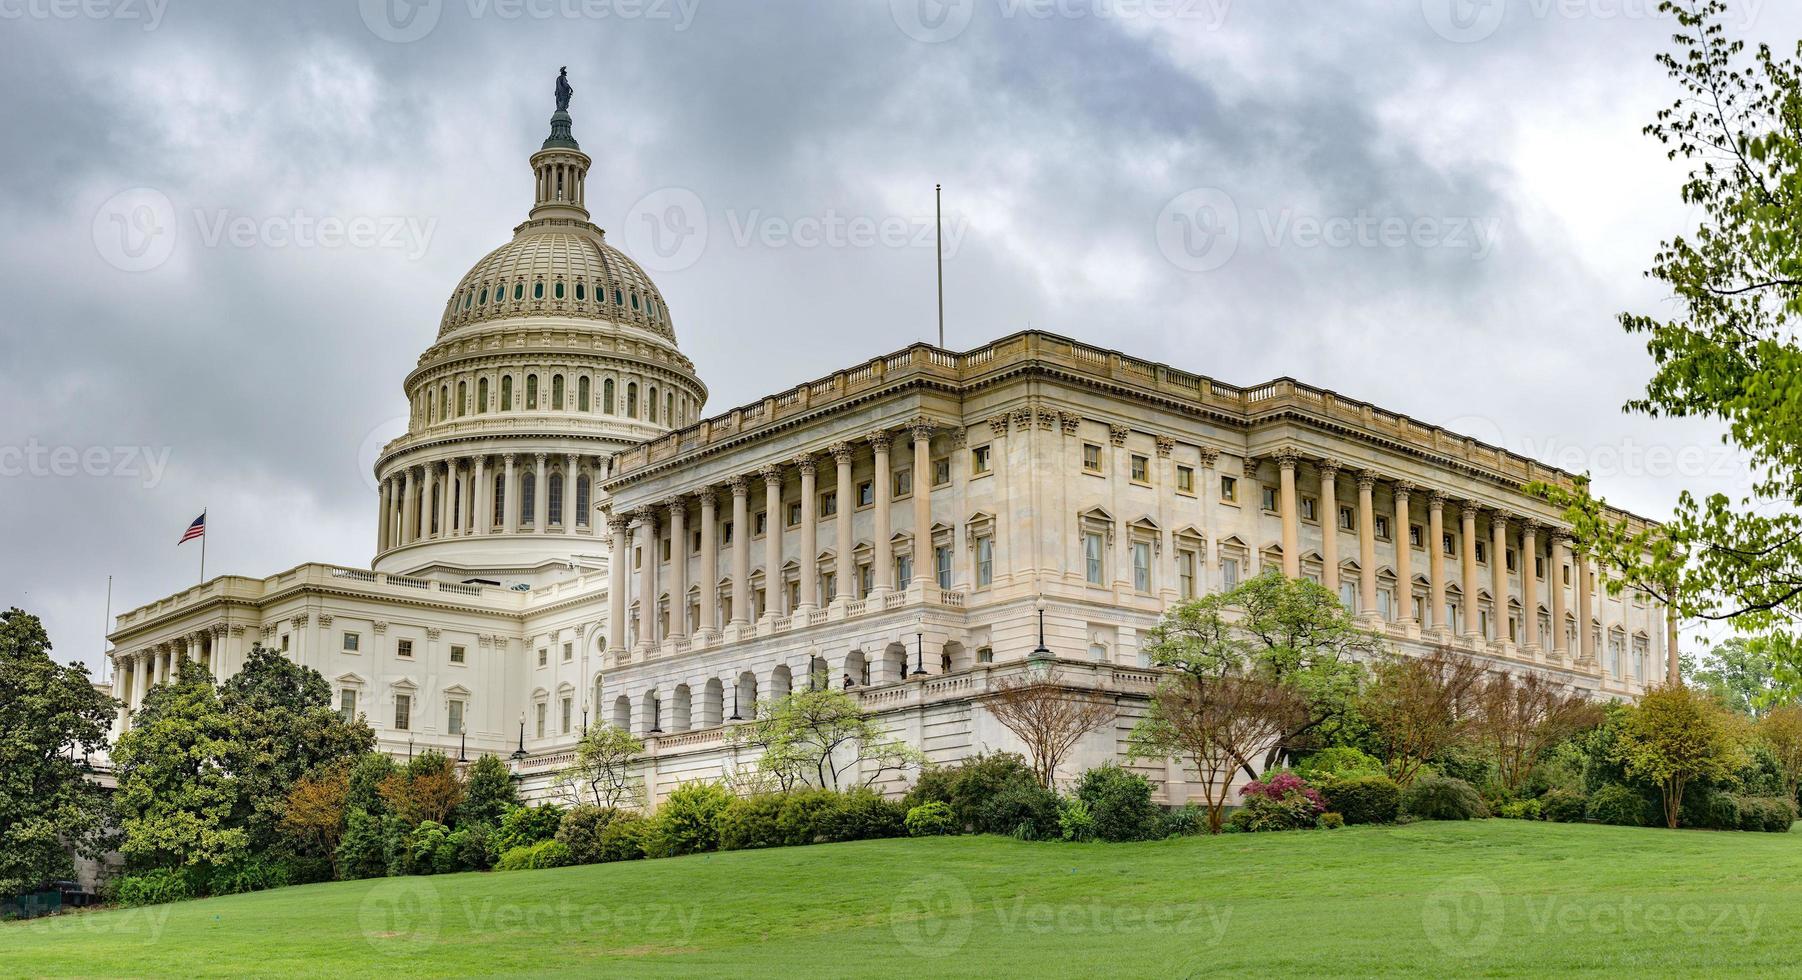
x: 1492, y: 897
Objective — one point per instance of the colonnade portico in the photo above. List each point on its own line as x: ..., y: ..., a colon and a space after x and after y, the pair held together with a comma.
x: 454, y: 496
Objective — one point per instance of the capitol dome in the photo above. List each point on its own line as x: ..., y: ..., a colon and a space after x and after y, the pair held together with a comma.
x: 558, y: 273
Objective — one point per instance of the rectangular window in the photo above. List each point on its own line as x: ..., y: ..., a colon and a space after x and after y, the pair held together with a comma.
x: 1091, y: 457
x: 694, y: 543
x: 1229, y: 572
x: 1348, y: 596
x: 347, y: 704
x: 979, y: 460
x: 941, y: 565
x: 1347, y: 521
x: 457, y: 655
x: 1482, y: 553
x: 284, y: 643
x: 903, y: 483
x: 1185, y: 479
x: 794, y: 514
x: 1415, y: 537
x: 1538, y: 567
x: 543, y: 656
x: 1386, y: 604
x: 1185, y: 573
x: 1229, y: 489
x: 538, y: 719
x: 1270, y: 500
x: 828, y: 504
x: 726, y: 533
x: 1142, y: 566
x: 1140, y: 469
x: 985, y: 560
x: 1448, y: 543
x: 568, y: 711
x: 569, y: 652
x: 1308, y: 505
x: 866, y: 493
x: 403, y: 712
x: 1382, y: 527
x: 941, y: 471
x: 663, y: 549
x: 1511, y: 559
x: 453, y: 718
x: 1092, y: 548
x: 352, y: 641
x: 866, y: 580
x: 904, y: 570
x: 760, y: 524
x: 402, y: 648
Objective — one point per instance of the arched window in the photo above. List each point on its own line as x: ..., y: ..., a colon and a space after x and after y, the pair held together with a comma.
x: 528, y: 498
x: 669, y: 408
x: 635, y: 300
x: 607, y: 396
x: 651, y: 403
x: 531, y: 391
x: 506, y: 392
x: 481, y: 395
x: 557, y: 291
x: 553, y: 492
x: 538, y: 290
x: 500, y: 497
x: 582, y: 394
x: 632, y: 399
x: 462, y: 398
x: 557, y: 391
x: 619, y: 298
x: 500, y: 292
x: 431, y: 409
x: 582, y: 505
x: 484, y: 300
x: 443, y: 402
x: 519, y: 291
x: 581, y: 292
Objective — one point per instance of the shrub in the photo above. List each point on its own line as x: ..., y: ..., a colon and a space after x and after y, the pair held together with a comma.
x: 1618, y: 805
x: 807, y: 815
x: 360, y: 851
x: 1331, y: 821
x: 430, y: 850
x: 152, y: 887
x: 1338, y: 762
x: 750, y: 821
x: 1024, y: 811
x: 1185, y: 821
x: 1443, y: 798
x: 971, y: 784
x: 1709, y: 809
x: 1527, y: 809
x: 624, y: 838
x: 581, y: 831
x: 1774, y: 814
x: 296, y: 870
x: 523, y: 826
x: 245, y: 874
x: 1364, y: 799
x: 1261, y: 813
x: 862, y: 814
x: 1563, y: 806
x: 1120, y: 802
x: 933, y: 819
x: 1282, y: 785
x: 1074, y: 821
x: 536, y: 857
x: 688, y: 821
x: 474, y: 847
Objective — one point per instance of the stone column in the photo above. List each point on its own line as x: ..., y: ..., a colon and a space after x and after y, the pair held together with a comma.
x: 678, y: 567
x: 882, y: 559
x: 772, y: 539
x: 453, y: 498
x: 1168, y: 575
x: 382, y: 526
x: 1119, y: 472
x: 1207, y: 574
x: 484, y: 502
x: 1498, y: 573
x: 741, y: 551
x: 1467, y: 534
x: 709, y: 580
x: 1555, y: 581
x: 541, y: 496
x: 569, y: 493
x: 1529, y: 586
x: 1367, y: 543
x: 847, y: 507
x: 510, y: 496
x: 1404, y: 556
x: 1436, y: 561
x: 427, y: 527
x: 1328, y: 517
x: 923, y: 560
x: 810, y: 533
x: 1291, y: 515
x: 617, y: 563
x: 1586, y: 637
x: 644, y: 531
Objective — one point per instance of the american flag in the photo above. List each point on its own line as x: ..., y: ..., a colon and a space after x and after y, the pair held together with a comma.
x: 195, y: 530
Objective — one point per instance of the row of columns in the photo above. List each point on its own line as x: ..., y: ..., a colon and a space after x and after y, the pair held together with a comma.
x: 466, y: 496
x: 136, y: 672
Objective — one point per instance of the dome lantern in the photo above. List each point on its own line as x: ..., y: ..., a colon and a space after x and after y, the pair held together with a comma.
x: 560, y: 168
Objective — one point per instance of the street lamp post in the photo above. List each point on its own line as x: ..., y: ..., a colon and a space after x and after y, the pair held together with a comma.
x: 519, y: 754
x: 1041, y: 659
x: 920, y: 649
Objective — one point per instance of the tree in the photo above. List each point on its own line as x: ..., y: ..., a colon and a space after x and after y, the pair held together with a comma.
x: 1781, y: 732
x: 1519, y: 719
x: 602, y: 770
x: 316, y: 809
x: 1738, y: 672
x: 815, y: 737
x: 1420, y: 706
x: 179, y: 802
x: 51, y: 717
x: 487, y: 792
x: 427, y: 788
x: 1675, y: 736
x: 1730, y: 353
x: 1292, y: 632
x: 1048, y: 717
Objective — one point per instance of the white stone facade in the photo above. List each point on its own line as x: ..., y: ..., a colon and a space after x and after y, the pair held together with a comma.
x: 563, y: 540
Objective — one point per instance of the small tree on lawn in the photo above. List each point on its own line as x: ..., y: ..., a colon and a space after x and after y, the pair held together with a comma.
x: 487, y: 792
x: 1419, y: 706
x: 602, y: 771
x: 1048, y: 717
x: 425, y: 789
x: 1518, y: 719
x: 816, y: 737
x: 316, y: 809
x: 1674, y: 736
x: 1781, y: 732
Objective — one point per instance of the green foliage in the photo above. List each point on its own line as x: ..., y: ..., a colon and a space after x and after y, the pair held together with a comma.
x: 430, y: 850
x: 1337, y: 762
x: 1331, y: 821
x: 816, y: 737
x: 1025, y: 812
x: 972, y: 782
x: 624, y: 838
x: 246, y: 873
x: 1675, y: 736
x: 863, y: 814
x: 1119, y: 802
x: 931, y: 819
x: 362, y: 852
x: 1563, y: 806
x: 487, y: 792
x: 153, y: 887
x: 1527, y: 809
x: 1262, y: 814
x: 1619, y: 805
x: 807, y: 815
x: 523, y: 826
x: 1705, y: 808
x: 601, y: 774
x: 1184, y: 821
x: 51, y: 717
x: 1737, y: 671
x: 474, y: 847
x: 750, y: 822
x: 1074, y: 821
x: 581, y: 831
x: 688, y: 821
x: 1436, y: 797
x: 536, y: 857
x: 1772, y: 814
x: 1364, y: 799
x: 367, y: 774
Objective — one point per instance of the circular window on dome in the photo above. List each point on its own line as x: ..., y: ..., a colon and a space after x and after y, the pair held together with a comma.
x: 557, y: 290
x: 538, y: 290
x: 581, y: 292
x: 519, y: 290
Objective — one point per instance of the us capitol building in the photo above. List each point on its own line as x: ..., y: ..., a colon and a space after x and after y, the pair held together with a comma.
x: 565, y: 538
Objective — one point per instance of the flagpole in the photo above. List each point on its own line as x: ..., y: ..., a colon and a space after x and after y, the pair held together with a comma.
x: 203, y: 548
x: 105, y: 661
x: 938, y: 246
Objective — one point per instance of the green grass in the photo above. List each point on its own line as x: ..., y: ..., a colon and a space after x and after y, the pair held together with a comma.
x: 1492, y: 897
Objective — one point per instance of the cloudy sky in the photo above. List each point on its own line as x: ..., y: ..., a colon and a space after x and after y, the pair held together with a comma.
x: 227, y: 230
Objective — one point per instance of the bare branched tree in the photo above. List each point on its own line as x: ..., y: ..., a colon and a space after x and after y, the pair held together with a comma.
x: 1049, y: 718
x: 1419, y: 706
x: 1518, y: 719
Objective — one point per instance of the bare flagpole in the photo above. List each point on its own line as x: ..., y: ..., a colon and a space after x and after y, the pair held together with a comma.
x: 938, y: 246
x: 203, y: 547
x: 104, y: 659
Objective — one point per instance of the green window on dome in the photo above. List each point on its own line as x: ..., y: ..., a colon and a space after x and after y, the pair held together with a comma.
x: 531, y: 391
x: 519, y: 290
x: 581, y: 293
x: 635, y: 301
x: 506, y: 392
x: 619, y: 298
x: 558, y: 290
x: 538, y: 290
x: 484, y: 299
x: 467, y: 299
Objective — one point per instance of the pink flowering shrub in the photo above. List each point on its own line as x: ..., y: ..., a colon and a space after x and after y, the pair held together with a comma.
x: 1279, y: 787
x: 1282, y: 802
